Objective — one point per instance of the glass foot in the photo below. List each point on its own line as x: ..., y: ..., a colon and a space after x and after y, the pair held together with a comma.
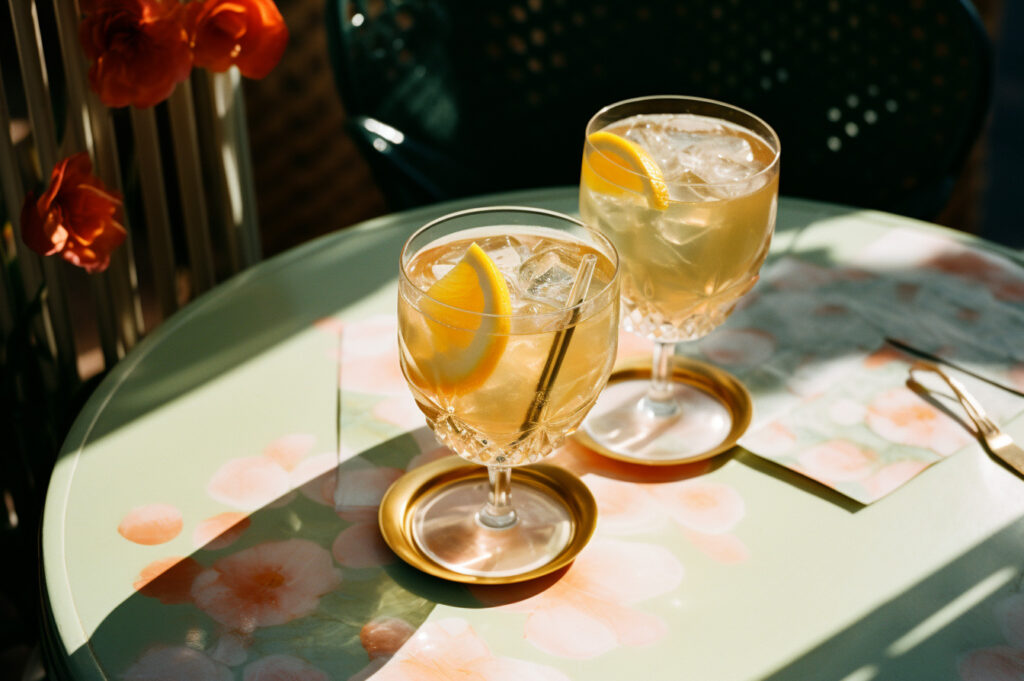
x: 429, y: 517
x: 448, y: 529
x: 713, y: 411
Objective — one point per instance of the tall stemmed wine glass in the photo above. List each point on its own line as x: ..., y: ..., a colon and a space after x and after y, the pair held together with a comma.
x: 508, y: 321
x: 686, y: 189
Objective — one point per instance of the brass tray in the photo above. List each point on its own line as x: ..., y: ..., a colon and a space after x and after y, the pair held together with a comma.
x: 398, y: 508
x: 711, y: 380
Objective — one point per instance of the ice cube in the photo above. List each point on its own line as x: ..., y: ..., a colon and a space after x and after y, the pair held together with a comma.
x: 507, y: 252
x: 681, y: 232
x: 547, y: 276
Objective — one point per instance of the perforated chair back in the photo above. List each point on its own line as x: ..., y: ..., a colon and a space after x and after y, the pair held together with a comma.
x: 877, y: 102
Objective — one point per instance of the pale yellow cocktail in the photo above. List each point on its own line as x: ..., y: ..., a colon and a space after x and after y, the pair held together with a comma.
x: 508, y: 326
x: 687, y: 190
x: 692, y: 243
x: 479, y: 380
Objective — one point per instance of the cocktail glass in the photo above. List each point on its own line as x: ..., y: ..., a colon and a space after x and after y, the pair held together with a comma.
x: 687, y: 190
x: 508, y: 321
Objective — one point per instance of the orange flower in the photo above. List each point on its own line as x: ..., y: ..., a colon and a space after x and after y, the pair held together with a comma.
x: 76, y: 217
x: 249, y: 34
x: 139, y: 50
x: 267, y: 584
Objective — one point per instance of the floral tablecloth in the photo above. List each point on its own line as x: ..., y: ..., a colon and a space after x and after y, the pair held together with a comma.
x: 214, y: 513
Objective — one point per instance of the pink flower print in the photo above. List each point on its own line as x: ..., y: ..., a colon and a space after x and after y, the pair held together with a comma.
x: 968, y: 314
x: 830, y: 310
x: 1010, y: 613
x: 791, y: 274
x: 632, y: 346
x: 266, y: 585
x: 882, y: 356
x: 1000, y: 663
x: 576, y: 458
x: 892, y: 476
x: 738, y: 347
x: 847, y: 412
x: 151, y: 524
x: 317, y: 476
x: 231, y: 649
x: 1016, y: 376
x: 329, y: 325
x: 900, y: 416
x: 587, y: 612
x: 997, y: 277
x: 722, y: 548
x: 837, y: 461
x: 700, y: 505
x: 355, y: 495
x: 624, y: 507
x: 965, y: 264
x: 906, y: 291
x: 169, y: 580
x: 359, y: 491
x: 176, y: 663
x: 1009, y: 289
x: 705, y: 511
x: 400, y: 410
x: 383, y: 636
x: 289, y: 450
x: 773, y: 439
x: 249, y: 483
x: 362, y: 546
x: 369, y: 355
x: 992, y: 664
x: 449, y: 650
x: 220, y: 531
x: 282, y: 668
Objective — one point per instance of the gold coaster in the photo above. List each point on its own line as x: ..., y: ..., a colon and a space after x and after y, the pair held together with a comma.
x: 398, y: 511
x: 709, y: 381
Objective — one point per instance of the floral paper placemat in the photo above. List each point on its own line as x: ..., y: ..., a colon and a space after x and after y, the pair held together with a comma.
x: 830, y: 394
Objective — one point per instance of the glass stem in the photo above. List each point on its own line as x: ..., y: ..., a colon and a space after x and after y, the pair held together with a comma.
x: 659, y: 401
x: 498, y: 513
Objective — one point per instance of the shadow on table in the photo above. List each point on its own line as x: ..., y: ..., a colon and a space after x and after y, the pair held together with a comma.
x: 920, y: 634
x: 795, y: 480
x: 308, y: 574
x: 265, y: 306
x: 298, y: 580
x: 304, y: 585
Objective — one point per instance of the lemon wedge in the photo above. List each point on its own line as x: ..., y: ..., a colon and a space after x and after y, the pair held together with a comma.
x: 613, y: 164
x: 467, y: 314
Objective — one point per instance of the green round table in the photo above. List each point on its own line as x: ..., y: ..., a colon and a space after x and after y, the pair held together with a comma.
x: 212, y: 515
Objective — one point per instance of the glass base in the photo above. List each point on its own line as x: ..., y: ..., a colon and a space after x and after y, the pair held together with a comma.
x: 447, y: 528
x: 713, y: 410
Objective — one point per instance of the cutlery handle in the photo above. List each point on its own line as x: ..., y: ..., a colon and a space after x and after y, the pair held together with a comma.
x: 974, y: 410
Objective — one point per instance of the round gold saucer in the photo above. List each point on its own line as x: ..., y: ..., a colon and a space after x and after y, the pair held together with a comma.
x: 398, y: 510
x: 714, y: 382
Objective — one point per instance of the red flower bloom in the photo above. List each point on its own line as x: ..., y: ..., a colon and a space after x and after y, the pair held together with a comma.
x: 139, y: 49
x: 76, y: 217
x: 249, y: 34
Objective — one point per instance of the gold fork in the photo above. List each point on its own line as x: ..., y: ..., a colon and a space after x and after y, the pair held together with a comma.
x: 998, y: 443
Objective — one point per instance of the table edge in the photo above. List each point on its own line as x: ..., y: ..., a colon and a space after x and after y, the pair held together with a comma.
x: 54, y: 522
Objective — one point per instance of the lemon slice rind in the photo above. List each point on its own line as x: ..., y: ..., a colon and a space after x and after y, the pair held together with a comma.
x: 614, y: 164
x: 467, y: 311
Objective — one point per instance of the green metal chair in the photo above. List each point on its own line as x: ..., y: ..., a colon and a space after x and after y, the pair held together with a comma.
x: 877, y: 102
